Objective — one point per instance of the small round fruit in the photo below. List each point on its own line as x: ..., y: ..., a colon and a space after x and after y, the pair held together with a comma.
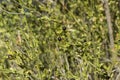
x: 59, y: 38
x: 64, y: 28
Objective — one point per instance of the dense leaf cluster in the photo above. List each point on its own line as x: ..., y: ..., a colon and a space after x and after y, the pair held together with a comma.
x: 58, y: 40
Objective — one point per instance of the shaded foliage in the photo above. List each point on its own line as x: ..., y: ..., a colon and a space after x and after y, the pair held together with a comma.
x: 57, y: 40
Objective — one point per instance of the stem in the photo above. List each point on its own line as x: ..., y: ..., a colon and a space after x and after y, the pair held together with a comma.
x: 108, y: 17
x: 110, y: 30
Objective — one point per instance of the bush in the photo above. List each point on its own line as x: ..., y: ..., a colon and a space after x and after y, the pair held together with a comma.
x: 57, y: 40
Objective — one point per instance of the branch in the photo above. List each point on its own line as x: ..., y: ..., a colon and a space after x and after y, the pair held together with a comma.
x: 110, y: 30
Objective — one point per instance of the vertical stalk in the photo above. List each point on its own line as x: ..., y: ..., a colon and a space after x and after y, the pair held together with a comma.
x: 110, y: 30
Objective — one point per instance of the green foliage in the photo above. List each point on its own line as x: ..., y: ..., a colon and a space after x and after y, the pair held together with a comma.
x: 57, y: 40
